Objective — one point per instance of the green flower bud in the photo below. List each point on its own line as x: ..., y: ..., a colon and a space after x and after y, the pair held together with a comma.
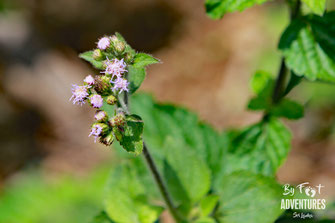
x: 111, y: 100
x: 108, y: 139
x: 97, y: 55
x: 102, y: 85
x: 119, y: 45
x: 118, y: 120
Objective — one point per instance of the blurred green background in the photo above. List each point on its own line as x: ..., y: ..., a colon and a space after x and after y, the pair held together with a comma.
x: 50, y: 171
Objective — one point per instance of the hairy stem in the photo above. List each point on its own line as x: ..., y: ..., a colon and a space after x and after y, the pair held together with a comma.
x: 153, y: 168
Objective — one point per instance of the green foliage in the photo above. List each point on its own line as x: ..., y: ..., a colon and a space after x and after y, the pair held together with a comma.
x: 102, y: 218
x: 263, y: 85
x: 186, y: 188
x: 216, y: 9
x: 127, y: 198
x: 247, y: 197
x: 131, y: 135
x: 208, y: 203
x: 308, y: 45
x: 88, y: 56
x: 31, y: 198
x: 137, y: 72
x: 260, y: 148
x: 317, y: 6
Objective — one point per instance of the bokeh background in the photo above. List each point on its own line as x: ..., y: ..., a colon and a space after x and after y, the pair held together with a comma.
x: 50, y: 171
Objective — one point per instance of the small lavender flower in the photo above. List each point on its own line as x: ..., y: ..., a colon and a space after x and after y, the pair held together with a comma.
x: 101, y: 116
x: 89, y: 80
x: 96, y: 130
x: 115, y: 67
x: 79, y: 94
x: 120, y: 85
x: 96, y: 101
x: 104, y: 43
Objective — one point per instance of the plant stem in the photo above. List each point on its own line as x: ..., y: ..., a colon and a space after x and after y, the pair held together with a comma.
x: 280, y: 82
x: 153, y: 168
x: 279, y: 88
x: 160, y: 184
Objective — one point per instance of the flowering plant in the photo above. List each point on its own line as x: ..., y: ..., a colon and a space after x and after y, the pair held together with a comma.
x: 202, y: 176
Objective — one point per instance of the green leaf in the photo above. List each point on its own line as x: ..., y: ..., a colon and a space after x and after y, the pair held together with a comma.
x: 88, y: 56
x: 164, y: 121
x: 208, y: 203
x: 136, y: 76
x: 260, y: 148
x: 131, y: 139
x: 216, y: 9
x: 136, y: 72
x: 259, y: 81
x: 142, y: 60
x: 249, y: 198
x: 288, y: 109
x: 317, y: 6
x: 308, y: 45
x: 188, y: 177
x: 127, y: 199
x: 262, y: 84
x: 102, y: 218
x: 205, y: 220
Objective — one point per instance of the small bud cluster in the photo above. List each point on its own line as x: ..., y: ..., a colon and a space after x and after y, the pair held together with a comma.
x: 114, y: 54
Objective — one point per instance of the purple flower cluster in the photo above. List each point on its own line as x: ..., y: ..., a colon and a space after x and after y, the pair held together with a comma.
x: 101, y: 89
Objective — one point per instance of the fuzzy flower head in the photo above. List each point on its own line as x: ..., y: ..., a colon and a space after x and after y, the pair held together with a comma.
x: 96, y: 101
x: 100, y: 116
x: 104, y: 43
x: 115, y: 67
x: 120, y: 85
x: 89, y: 80
x: 79, y: 94
x: 96, y: 131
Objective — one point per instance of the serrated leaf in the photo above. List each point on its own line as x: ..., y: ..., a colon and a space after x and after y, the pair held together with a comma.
x: 164, y: 121
x: 248, y: 198
x: 127, y: 198
x: 317, y: 6
x: 142, y: 60
x: 216, y: 9
x: 187, y: 185
x: 307, y: 47
x: 131, y: 139
x: 88, y: 56
x: 288, y: 109
x: 260, y: 148
x: 136, y: 76
x: 208, y: 203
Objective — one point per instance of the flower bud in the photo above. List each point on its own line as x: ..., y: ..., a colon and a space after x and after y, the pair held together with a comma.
x: 108, y: 139
x: 97, y: 54
x: 101, y: 116
x: 129, y: 56
x: 119, y: 45
x: 102, y: 85
x: 111, y: 100
x: 118, y: 120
